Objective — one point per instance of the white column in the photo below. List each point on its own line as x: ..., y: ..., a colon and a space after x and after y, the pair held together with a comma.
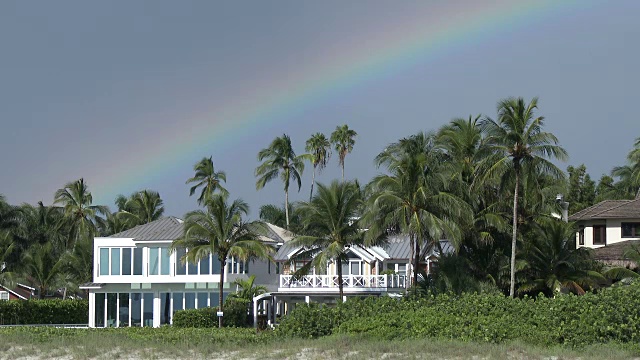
x: 92, y: 309
x: 255, y: 314
x: 307, y: 299
x: 156, y: 309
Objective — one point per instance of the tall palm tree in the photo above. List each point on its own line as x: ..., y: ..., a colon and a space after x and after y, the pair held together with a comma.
x: 343, y: 140
x: 330, y: 225
x: 220, y: 230
x: 207, y: 178
x: 320, y: 148
x: 519, y: 145
x: 280, y: 159
x: 143, y: 207
x: 81, y: 214
x: 412, y: 199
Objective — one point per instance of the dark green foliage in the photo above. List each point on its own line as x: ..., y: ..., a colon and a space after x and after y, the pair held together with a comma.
x: 196, y: 318
x: 236, y: 312
x: 613, y: 315
x: 43, y: 312
x: 235, y: 315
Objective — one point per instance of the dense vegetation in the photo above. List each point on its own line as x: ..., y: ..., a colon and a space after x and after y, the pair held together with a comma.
x: 611, y: 315
x: 43, y: 312
x: 488, y: 185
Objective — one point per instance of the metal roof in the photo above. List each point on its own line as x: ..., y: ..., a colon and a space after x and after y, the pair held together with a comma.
x: 608, y: 209
x: 168, y: 228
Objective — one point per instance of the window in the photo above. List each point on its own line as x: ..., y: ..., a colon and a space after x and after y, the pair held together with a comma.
x: 599, y: 235
x: 126, y: 261
x: 153, y: 261
x: 104, y: 261
x: 181, y: 268
x: 581, y: 235
x: 137, y: 261
x: 237, y: 267
x: 115, y: 261
x: 164, y: 261
x: 4, y: 295
x: 203, y: 300
x: 630, y: 230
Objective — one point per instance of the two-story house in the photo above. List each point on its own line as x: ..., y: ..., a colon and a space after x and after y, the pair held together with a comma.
x: 609, y: 227
x: 138, y: 281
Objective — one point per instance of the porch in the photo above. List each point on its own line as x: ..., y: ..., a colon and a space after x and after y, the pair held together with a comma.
x: 350, y: 283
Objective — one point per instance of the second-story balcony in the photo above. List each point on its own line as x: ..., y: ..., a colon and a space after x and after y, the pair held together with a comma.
x: 351, y: 283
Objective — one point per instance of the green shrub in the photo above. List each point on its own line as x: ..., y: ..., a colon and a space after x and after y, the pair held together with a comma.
x: 196, y: 318
x: 44, y: 312
x: 612, y: 315
x: 235, y: 315
x: 236, y: 312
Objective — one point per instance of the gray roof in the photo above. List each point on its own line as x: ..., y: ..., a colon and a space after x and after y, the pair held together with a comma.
x: 610, y: 209
x: 172, y: 228
x: 397, y: 248
x: 168, y: 228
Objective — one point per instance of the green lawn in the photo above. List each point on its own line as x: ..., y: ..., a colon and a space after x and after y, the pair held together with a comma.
x: 170, y: 343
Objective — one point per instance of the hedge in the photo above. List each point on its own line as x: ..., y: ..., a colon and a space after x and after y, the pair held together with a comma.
x: 612, y: 315
x: 17, y: 312
x: 235, y: 315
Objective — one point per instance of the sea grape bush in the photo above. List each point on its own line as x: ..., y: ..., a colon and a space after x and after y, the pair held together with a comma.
x: 235, y: 315
x: 612, y: 315
x: 43, y: 312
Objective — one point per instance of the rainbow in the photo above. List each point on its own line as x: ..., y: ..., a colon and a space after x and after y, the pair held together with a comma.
x: 415, y: 41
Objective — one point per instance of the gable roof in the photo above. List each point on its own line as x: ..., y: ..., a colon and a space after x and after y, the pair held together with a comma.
x: 16, y: 294
x: 609, y: 209
x: 168, y: 228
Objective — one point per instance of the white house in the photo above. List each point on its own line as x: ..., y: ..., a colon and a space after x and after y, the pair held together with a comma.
x: 137, y: 281
x: 608, y: 222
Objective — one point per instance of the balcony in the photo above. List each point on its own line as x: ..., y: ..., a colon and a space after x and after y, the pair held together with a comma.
x: 351, y: 283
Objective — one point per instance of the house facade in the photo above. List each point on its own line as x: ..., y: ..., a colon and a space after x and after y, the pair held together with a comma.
x: 608, y: 222
x: 138, y: 281
x: 20, y: 292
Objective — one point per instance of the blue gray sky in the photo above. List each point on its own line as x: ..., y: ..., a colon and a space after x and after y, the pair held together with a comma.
x: 87, y: 86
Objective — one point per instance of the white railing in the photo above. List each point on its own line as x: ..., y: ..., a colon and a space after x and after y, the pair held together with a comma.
x: 348, y: 281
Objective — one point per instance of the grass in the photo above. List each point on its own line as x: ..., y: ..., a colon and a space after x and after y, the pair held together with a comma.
x: 170, y: 343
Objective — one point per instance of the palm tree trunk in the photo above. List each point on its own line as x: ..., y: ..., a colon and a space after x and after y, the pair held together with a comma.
x: 343, y: 170
x: 411, y: 256
x: 286, y: 206
x: 416, y: 262
x: 512, y: 287
x: 223, y: 262
x: 340, y: 285
x: 313, y: 182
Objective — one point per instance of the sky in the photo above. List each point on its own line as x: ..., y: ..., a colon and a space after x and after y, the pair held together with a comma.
x: 130, y: 95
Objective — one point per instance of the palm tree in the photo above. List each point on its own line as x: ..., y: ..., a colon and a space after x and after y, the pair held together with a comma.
x: 76, y: 201
x: 276, y: 215
x: 329, y: 222
x: 519, y: 145
x: 143, y: 207
x: 207, y: 178
x: 412, y: 199
x: 247, y: 290
x: 343, y: 140
x: 220, y: 230
x: 280, y: 159
x: 43, y: 266
x: 320, y: 148
x: 554, y: 265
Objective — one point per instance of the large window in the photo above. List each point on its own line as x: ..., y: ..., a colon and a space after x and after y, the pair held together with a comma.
x: 630, y: 230
x: 159, y: 261
x: 599, y: 235
x: 201, y: 267
x: 120, y: 261
x: 123, y: 309
x: 237, y: 267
